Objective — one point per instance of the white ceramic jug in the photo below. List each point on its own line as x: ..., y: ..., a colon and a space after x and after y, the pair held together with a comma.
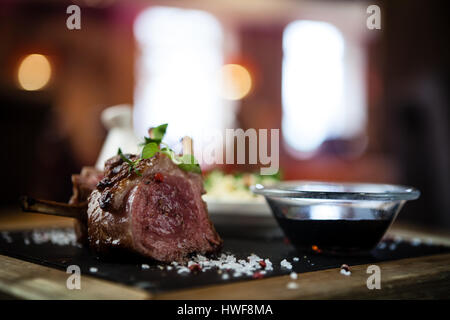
x: 118, y: 121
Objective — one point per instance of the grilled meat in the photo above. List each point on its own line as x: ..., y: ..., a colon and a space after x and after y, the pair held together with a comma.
x: 158, y: 213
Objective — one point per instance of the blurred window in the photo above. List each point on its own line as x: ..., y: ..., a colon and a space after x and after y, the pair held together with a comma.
x: 178, y: 72
x: 322, y: 90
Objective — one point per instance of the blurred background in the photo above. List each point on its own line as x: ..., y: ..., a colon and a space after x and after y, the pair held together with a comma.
x: 352, y: 104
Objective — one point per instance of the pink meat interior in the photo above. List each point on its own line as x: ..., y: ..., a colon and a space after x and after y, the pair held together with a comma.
x: 166, y: 217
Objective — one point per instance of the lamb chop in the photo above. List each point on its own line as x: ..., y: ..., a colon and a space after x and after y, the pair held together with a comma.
x: 159, y: 214
x: 154, y: 210
x: 83, y: 184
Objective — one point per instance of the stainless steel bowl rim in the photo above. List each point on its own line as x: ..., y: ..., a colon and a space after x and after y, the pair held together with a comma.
x: 290, y: 189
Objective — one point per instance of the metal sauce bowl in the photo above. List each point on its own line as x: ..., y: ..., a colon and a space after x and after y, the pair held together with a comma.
x: 335, y: 218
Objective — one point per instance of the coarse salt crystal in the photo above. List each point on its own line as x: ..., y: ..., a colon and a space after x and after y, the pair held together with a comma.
x: 293, y: 276
x: 201, y: 258
x: 60, y: 237
x: 145, y: 266
x: 191, y: 263
x: 183, y: 270
x: 227, y: 262
x: 269, y: 266
x: 345, y: 272
x: 93, y: 269
x: 7, y: 237
x: 286, y: 264
x: 296, y: 259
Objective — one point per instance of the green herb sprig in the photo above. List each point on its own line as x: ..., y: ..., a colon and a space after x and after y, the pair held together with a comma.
x: 158, y: 134
x: 152, y: 145
x: 132, y: 164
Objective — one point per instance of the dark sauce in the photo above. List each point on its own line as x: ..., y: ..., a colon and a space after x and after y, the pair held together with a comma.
x: 334, y: 236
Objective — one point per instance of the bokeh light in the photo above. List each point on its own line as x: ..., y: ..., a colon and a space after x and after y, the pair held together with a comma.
x: 313, y: 85
x: 237, y: 81
x: 34, y: 72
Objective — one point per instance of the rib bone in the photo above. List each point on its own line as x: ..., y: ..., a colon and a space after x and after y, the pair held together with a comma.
x: 54, y: 208
x: 187, y: 145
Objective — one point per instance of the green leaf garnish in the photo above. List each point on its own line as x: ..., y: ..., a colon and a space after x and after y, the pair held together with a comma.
x: 188, y: 163
x: 122, y: 156
x: 157, y: 135
x: 152, y: 145
x: 171, y: 154
x: 149, y: 150
x: 132, y: 164
x: 159, y: 132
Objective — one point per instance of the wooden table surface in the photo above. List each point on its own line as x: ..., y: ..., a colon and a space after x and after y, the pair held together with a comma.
x: 414, y: 278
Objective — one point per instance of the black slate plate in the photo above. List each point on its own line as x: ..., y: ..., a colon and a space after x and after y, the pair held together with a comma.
x: 20, y: 244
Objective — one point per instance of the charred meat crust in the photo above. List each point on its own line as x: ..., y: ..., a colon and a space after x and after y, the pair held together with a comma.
x: 83, y: 184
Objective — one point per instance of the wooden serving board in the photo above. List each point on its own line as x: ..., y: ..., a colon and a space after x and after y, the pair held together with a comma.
x: 409, y: 271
